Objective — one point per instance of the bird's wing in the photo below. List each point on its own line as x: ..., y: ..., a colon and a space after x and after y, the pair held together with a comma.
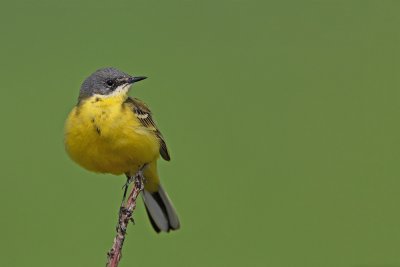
x: 143, y: 114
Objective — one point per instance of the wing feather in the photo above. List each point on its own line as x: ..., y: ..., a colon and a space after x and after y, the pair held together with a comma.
x: 143, y: 114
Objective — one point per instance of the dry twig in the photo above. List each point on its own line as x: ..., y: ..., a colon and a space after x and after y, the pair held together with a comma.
x: 125, y: 215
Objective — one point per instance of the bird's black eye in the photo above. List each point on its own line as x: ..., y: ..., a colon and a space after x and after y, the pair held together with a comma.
x: 110, y: 82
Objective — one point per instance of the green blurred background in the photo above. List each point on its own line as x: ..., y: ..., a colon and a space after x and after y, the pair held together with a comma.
x: 282, y: 119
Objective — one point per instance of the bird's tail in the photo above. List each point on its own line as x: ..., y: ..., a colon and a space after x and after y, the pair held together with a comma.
x: 161, y: 212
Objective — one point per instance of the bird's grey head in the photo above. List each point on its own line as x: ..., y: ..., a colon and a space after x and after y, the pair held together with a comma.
x: 107, y: 81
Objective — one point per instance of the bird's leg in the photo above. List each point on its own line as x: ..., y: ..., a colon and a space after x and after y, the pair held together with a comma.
x: 129, y: 180
x: 139, y: 181
x: 125, y: 187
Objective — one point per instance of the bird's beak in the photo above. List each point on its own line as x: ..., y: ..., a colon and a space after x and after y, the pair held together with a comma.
x: 136, y: 79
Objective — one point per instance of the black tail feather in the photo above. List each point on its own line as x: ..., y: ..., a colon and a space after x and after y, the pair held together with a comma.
x: 159, y: 208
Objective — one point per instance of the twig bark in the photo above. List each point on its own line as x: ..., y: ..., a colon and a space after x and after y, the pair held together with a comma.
x: 125, y: 215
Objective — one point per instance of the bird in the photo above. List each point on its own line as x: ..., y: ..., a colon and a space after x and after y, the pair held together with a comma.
x: 110, y: 132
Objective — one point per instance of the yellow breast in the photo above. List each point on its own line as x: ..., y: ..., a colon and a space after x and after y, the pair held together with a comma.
x: 104, y: 135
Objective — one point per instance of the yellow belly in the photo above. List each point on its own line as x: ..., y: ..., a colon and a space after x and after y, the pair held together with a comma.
x: 103, y: 136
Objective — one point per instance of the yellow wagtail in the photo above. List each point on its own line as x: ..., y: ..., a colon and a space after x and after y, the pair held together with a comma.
x: 110, y: 132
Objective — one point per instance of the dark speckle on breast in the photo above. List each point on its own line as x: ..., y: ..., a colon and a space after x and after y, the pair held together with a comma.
x: 97, y: 99
x: 97, y: 128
